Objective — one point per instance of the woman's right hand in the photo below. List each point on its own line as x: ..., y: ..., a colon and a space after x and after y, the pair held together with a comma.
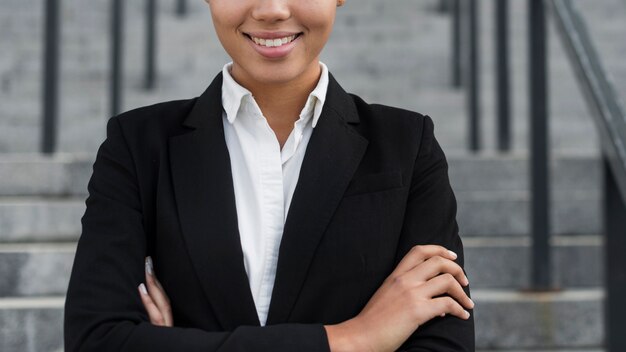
x: 408, y: 298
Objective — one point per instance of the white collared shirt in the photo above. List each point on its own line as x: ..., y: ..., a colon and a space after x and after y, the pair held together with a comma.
x: 264, y: 177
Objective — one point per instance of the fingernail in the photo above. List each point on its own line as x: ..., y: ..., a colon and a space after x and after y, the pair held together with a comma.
x: 443, y: 315
x: 466, y: 281
x: 143, y: 289
x: 453, y: 254
x: 472, y: 302
x: 149, y: 265
x: 467, y: 314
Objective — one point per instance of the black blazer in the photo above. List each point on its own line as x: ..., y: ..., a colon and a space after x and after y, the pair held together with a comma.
x: 373, y: 184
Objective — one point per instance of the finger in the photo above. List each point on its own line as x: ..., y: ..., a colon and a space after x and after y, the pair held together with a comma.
x: 152, y: 279
x: 437, y: 265
x: 156, y: 318
x: 446, y: 305
x: 447, y: 284
x: 418, y: 254
x: 150, y: 270
x: 158, y: 294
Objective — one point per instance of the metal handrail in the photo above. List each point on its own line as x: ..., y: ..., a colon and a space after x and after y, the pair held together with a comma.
x: 610, y: 118
x: 609, y: 113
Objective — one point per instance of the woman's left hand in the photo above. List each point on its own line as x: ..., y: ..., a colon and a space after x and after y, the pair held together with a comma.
x: 154, y: 299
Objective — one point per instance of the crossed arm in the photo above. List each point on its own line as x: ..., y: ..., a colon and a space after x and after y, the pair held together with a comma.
x: 408, y: 298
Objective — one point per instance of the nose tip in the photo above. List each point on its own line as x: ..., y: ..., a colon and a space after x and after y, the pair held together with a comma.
x: 271, y: 10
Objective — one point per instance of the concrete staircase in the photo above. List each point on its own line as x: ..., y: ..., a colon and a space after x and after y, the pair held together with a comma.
x: 396, y: 53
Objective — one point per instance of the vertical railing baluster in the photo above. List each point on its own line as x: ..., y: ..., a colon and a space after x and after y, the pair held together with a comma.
x: 50, y: 89
x: 456, y: 43
x: 540, y: 215
x: 472, y: 81
x: 503, y: 109
x: 615, y: 261
x: 117, y: 29
x: 150, y: 49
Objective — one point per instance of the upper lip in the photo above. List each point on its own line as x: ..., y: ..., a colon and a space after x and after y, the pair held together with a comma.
x: 271, y: 35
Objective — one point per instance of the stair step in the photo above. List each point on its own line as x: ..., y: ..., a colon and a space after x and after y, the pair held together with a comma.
x: 570, y: 319
x: 30, y: 219
x: 63, y: 174
x: 31, y: 324
x: 42, y: 198
x: 511, y: 171
x: 520, y: 320
x: 497, y: 213
x: 67, y: 173
x: 508, y: 213
x: 577, y: 261
x: 36, y: 269
x: 39, y: 269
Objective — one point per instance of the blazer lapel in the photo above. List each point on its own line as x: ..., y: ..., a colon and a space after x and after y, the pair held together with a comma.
x: 205, y: 199
x: 332, y: 156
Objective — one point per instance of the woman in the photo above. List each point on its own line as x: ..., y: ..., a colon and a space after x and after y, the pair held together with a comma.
x: 279, y: 212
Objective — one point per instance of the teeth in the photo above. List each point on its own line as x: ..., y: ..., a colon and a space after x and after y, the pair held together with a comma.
x: 270, y: 43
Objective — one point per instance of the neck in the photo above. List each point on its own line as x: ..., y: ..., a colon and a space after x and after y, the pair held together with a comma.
x: 282, y: 102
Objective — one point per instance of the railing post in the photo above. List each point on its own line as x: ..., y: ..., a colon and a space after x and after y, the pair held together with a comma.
x: 456, y: 43
x: 181, y: 7
x: 502, y: 77
x: 472, y: 81
x: 150, y: 49
x: 117, y: 29
x: 540, y: 219
x: 50, y: 104
x: 615, y: 261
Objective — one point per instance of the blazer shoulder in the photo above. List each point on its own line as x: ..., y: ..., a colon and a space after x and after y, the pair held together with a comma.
x: 160, y: 114
x: 154, y: 123
x: 390, y: 115
x: 389, y: 121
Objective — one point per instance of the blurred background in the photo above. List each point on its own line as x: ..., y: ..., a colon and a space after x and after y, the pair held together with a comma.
x: 527, y: 99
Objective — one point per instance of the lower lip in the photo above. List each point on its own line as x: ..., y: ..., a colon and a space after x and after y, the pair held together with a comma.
x: 275, y: 52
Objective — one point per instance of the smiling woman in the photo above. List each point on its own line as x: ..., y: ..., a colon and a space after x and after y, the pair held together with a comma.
x: 279, y: 212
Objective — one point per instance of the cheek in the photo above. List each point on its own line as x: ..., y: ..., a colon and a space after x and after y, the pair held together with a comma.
x: 320, y: 21
x: 226, y: 24
x: 226, y: 16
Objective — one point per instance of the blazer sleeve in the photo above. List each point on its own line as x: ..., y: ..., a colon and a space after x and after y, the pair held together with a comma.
x: 103, y: 310
x: 430, y: 218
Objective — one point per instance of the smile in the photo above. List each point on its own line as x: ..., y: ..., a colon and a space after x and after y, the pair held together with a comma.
x: 274, y: 42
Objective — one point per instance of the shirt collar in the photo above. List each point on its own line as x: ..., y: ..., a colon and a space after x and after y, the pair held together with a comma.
x: 236, y: 97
